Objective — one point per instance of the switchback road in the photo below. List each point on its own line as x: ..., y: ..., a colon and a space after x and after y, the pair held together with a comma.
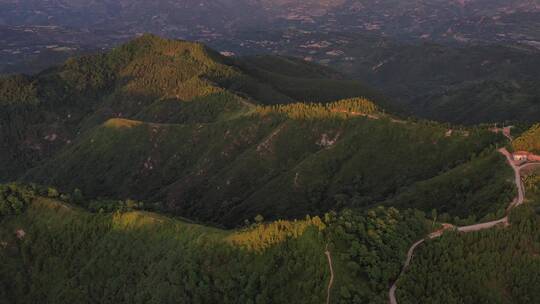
x: 477, y: 227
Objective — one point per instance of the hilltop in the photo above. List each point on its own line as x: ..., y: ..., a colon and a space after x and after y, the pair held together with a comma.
x: 151, y: 79
x: 222, y: 140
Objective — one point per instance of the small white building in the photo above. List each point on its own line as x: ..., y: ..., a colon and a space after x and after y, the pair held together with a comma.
x: 521, y: 156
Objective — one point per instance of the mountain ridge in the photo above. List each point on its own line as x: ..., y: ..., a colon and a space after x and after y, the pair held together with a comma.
x: 222, y: 139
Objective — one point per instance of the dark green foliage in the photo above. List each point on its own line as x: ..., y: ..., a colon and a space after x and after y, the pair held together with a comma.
x: 373, y: 246
x: 67, y: 255
x: 461, y: 84
x: 486, y: 101
x: 14, y: 199
x: 17, y: 90
x: 274, y: 165
x: 301, y: 81
x: 150, y: 79
x: 174, y: 123
x: 479, y: 189
x: 115, y: 205
x: 493, y: 266
x: 204, y: 109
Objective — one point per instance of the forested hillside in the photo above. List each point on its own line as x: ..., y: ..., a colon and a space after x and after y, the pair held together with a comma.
x: 476, y: 191
x: 498, y: 265
x: 53, y: 252
x: 493, y: 266
x: 469, y: 85
x: 222, y: 140
x: 148, y: 152
x: 267, y: 163
x: 150, y: 79
x: 466, y: 84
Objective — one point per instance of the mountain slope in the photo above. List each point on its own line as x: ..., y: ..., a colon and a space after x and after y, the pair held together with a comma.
x: 266, y: 164
x: 173, y: 127
x: 466, y: 84
x: 491, y: 266
x: 141, y: 257
x: 476, y: 191
x: 221, y: 140
x: 152, y: 79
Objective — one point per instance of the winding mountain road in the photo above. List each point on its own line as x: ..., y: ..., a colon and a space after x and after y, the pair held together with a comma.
x: 477, y: 227
x: 331, y: 282
x: 407, y: 262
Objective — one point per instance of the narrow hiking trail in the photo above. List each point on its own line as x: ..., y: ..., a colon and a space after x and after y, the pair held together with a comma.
x: 331, y: 282
x: 477, y: 227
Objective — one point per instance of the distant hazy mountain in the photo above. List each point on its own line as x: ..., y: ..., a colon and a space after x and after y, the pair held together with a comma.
x: 459, y: 20
x: 138, y: 15
x: 483, y: 67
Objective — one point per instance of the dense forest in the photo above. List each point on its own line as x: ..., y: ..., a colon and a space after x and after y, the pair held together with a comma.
x: 493, y: 266
x: 174, y: 174
x: 229, y: 171
x: 468, y: 84
x: 222, y: 140
x: 149, y: 79
x: 499, y: 265
x: 134, y: 256
x: 475, y: 191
